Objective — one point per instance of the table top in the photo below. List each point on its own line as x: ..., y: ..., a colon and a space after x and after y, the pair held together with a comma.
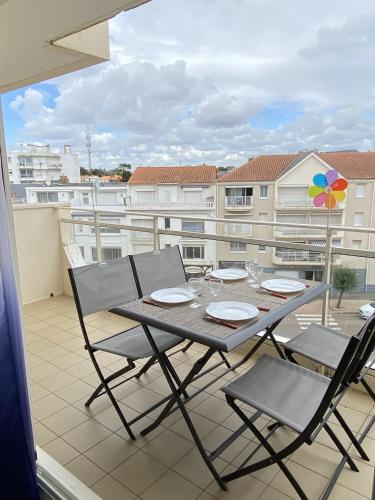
x: 190, y: 323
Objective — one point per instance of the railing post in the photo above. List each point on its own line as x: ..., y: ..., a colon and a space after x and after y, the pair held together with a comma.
x: 327, y: 276
x: 156, y: 233
x: 98, y: 237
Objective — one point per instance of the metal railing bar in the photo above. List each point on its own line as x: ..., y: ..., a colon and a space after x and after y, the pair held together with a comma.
x: 355, y: 229
x: 227, y: 238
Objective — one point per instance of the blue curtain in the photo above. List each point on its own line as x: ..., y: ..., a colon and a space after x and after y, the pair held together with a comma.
x: 17, y: 453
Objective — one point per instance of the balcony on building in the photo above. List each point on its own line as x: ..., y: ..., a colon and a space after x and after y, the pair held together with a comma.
x: 295, y: 197
x: 239, y: 199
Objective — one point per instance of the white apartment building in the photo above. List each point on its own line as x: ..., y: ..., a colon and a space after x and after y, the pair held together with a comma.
x: 274, y: 188
x: 185, y: 191
x: 35, y: 163
x: 107, y: 197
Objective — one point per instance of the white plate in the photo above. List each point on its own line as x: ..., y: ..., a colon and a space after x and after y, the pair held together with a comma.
x: 235, y: 311
x: 283, y: 285
x: 172, y: 295
x: 230, y: 274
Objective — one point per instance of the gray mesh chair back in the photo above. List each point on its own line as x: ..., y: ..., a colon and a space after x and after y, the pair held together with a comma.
x: 104, y: 285
x: 365, y: 349
x: 160, y: 269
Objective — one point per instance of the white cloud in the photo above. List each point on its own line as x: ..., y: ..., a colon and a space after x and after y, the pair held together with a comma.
x: 186, y: 79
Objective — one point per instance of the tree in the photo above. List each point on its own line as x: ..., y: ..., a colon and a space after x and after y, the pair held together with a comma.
x: 123, y: 170
x: 83, y: 171
x: 344, y: 279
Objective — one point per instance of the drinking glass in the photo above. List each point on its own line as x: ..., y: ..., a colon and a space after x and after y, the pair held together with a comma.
x: 249, y: 266
x: 215, y: 286
x: 257, y: 271
x: 196, y: 285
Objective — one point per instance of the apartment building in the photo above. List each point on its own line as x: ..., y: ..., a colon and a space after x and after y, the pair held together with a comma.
x: 83, y: 196
x: 186, y: 191
x: 38, y: 163
x: 274, y: 188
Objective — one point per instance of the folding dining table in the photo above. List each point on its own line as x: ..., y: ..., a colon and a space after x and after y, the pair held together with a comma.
x: 195, y: 325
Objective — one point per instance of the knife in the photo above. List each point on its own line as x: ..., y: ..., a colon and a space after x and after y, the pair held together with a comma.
x: 151, y: 303
x: 221, y: 322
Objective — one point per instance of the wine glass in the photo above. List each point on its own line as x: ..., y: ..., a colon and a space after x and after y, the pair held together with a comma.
x: 249, y: 266
x: 257, y: 271
x: 196, y: 285
x: 215, y: 286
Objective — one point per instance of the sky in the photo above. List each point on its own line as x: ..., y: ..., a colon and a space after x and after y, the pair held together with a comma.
x: 215, y: 82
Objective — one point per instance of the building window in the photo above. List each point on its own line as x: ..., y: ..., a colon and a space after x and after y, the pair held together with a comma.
x: 238, y: 197
x: 192, y: 226
x: 24, y: 161
x: 85, y: 198
x: 359, y: 219
x: 356, y: 244
x: 238, y: 228
x: 193, y: 252
x: 167, y: 223
x: 108, y: 230
x: 142, y: 235
x: 263, y: 192
x: 82, y: 250
x: 47, y: 197
x: 236, y: 246
x: 360, y: 190
x: 111, y: 253
x: 262, y: 248
x: 107, y: 253
x: 26, y: 172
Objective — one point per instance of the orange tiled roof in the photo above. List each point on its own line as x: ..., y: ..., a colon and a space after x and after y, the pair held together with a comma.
x: 262, y: 168
x: 350, y: 164
x: 200, y: 174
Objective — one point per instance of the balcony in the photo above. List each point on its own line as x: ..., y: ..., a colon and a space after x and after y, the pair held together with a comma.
x: 288, y: 256
x: 239, y: 203
x: 297, y: 202
x: 150, y: 205
x: 91, y: 443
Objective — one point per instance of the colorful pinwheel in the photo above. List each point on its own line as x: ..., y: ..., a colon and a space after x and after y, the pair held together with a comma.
x: 327, y: 189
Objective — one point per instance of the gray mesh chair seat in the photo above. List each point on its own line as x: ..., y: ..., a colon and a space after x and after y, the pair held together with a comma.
x: 321, y: 344
x: 286, y: 392
x: 295, y: 397
x: 133, y: 344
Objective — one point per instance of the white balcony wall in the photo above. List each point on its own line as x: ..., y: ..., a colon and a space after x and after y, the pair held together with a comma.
x: 41, y: 263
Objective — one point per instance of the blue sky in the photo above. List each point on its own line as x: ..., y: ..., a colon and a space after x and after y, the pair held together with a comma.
x: 12, y: 120
x: 276, y: 114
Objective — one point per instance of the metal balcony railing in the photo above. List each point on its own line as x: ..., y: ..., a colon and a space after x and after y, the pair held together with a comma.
x: 290, y: 256
x: 238, y: 201
x: 169, y: 205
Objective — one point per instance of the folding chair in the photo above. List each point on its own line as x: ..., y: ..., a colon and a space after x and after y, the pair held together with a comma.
x: 160, y: 269
x: 293, y: 396
x: 100, y: 287
x: 326, y: 347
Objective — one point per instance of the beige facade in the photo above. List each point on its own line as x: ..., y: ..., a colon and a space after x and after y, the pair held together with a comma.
x: 287, y: 201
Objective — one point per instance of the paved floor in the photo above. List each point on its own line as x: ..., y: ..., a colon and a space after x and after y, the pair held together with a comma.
x: 92, y: 444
